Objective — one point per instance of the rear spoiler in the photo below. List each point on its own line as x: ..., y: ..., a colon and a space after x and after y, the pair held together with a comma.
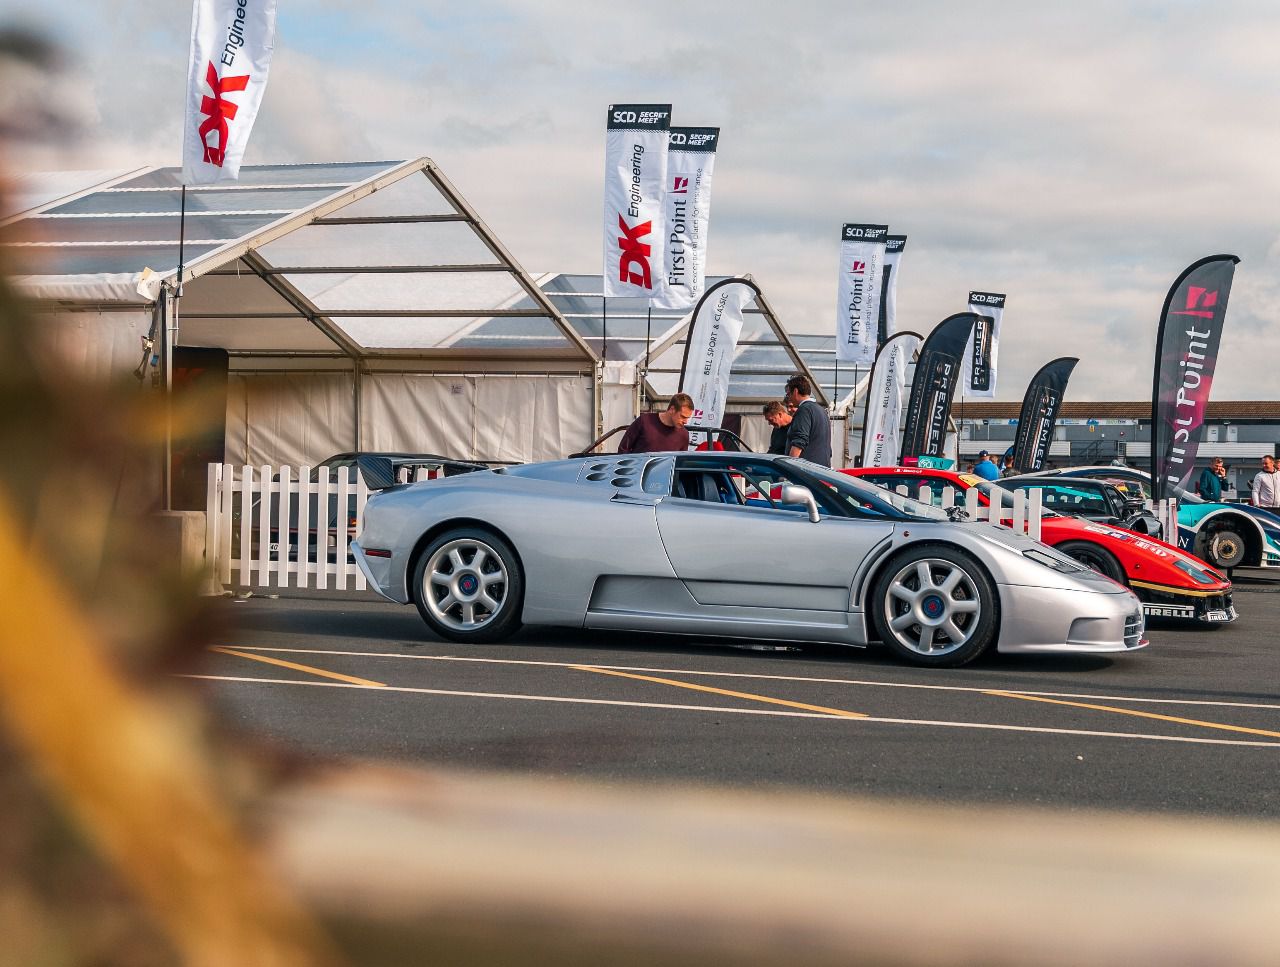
x: 379, y: 473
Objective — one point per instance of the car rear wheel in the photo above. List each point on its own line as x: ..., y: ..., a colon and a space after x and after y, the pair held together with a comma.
x: 935, y: 606
x: 468, y: 586
x: 1095, y: 557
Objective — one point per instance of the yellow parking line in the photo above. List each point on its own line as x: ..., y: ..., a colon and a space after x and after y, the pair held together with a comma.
x: 1143, y: 715
x: 298, y: 668
x: 842, y: 713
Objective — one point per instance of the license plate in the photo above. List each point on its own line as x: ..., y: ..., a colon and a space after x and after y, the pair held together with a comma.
x: 1227, y: 615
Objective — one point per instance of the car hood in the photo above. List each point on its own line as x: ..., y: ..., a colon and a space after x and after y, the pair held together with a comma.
x: 1005, y: 550
x: 1158, y: 556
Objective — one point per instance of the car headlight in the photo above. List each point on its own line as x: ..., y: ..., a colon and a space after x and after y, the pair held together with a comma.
x: 1059, y: 562
x: 1198, y: 574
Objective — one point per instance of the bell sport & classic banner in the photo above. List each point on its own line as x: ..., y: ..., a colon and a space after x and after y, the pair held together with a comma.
x: 691, y: 161
x: 934, y: 386
x: 1039, y: 414
x: 635, y: 177
x: 862, y: 249
x: 984, y: 345
x: 886, y: 392
x: 711, y: 346
x: 1186, y: 356
x: 231, y: 46
x: 894, y: 246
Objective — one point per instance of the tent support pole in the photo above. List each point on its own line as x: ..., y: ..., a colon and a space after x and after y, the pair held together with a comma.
x: 357, y: 389
x: 171, y: 337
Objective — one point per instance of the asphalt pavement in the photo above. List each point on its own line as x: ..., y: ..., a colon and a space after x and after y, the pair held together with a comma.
x: 1189, y: 725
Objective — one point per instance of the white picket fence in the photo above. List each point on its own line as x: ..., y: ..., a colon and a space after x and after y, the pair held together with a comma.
x: 260, y: 529
x: 1024, y: 516
x: 1166, y: 511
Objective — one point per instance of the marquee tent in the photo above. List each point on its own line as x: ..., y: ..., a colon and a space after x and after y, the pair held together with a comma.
x: 360, y: 305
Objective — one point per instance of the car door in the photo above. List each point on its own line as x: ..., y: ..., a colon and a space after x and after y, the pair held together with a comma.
x: 733, y: 545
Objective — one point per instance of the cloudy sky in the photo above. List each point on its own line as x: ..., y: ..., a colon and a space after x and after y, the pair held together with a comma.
x: 1075, y: 156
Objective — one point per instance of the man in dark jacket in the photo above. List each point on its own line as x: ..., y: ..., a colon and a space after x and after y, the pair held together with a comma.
x: 809, y: 435
x: 1212, y: 477
x: 776, y: 415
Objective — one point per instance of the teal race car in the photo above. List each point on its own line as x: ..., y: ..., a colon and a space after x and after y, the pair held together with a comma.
x: 1224, y: 535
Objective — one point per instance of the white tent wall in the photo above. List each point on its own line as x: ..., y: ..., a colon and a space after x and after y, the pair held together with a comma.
x: 294, y: 419
x: 96, y: 344
x: 619, y: 398
x: 479, y: 417
x: 756, y: 432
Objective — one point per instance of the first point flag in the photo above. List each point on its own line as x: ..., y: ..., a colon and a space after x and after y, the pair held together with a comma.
x: 231, y: 46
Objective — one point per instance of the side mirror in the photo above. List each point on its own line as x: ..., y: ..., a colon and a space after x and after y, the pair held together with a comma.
x: 795, y: 494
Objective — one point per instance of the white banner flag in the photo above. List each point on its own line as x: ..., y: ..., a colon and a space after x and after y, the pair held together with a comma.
x: 635, y: 175
x: 231, y: 46
x: 886, y: 399
x: 978, y: 376
x: 894, y: 245
x: 691, y: 161
x: 862, y: 250
x: 713, y: 342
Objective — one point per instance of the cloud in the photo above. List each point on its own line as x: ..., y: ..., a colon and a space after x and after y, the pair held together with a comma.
x: 1077, y: 157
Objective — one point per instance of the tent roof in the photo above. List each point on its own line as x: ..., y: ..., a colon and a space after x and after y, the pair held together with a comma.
x: 359, y: 258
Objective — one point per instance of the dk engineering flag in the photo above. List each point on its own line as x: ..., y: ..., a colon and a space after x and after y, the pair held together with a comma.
x: 231, y: 46
x: 635, y: 181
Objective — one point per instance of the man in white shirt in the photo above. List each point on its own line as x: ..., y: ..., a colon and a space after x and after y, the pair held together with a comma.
x: 1266, y: 485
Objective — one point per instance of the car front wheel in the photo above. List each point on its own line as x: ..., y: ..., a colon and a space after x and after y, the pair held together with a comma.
x: 1093, y: 556
x: 935, y: 606
x: 468, y: 586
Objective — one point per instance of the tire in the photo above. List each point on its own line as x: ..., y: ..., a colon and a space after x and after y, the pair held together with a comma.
x: 1226, y: 548
x: 468, y: 586
x: 947, y: 624
x: 1093, y: 556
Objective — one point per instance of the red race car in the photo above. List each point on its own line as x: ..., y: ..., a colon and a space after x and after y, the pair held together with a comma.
x: 1170, y: 583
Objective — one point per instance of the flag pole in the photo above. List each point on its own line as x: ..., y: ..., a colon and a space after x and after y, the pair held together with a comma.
x: 170, y: 338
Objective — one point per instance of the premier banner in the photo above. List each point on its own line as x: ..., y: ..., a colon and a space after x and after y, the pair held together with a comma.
x: 231, y: 46
x: 691, y: 161
x: 1039, y: 413
x: 712, y: 344
x: 1186, y: 356
x: 934, y: 386
x: 894, y: 246
x: 862, y: 249
x: 635, y: 176
x: 980, y: 355
x: 882, y: 421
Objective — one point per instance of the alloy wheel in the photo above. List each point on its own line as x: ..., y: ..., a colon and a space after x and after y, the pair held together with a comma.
x: 932, y: 607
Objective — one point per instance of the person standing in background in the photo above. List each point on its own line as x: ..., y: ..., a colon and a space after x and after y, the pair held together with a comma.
x: 809, y: 435
x: 1212, y: 479
x: 658, y: 432
x: 777, y: 416
x: 1265, y: 491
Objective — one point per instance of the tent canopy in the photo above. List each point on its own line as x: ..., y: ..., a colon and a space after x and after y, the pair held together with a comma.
x: 350, y: 259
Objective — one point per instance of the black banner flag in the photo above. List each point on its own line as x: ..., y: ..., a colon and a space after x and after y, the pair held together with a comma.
x: 934, y: 385
x: 1186, y: 356
x: 1040, y: 413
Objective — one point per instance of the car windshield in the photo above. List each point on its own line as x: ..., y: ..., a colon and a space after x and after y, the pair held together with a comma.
x: 859, y: 496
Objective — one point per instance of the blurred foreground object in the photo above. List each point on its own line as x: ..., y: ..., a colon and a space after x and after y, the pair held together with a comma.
x: 120, y: 843
x: 486, y: 870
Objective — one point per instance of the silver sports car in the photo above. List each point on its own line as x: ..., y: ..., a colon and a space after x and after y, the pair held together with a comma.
x: 737, y: 545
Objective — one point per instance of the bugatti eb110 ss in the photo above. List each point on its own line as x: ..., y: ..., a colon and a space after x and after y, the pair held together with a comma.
x: 697, y: 544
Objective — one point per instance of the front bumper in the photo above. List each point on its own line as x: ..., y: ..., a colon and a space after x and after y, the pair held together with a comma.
x: 1162, y: 602
x: 1043, y: 620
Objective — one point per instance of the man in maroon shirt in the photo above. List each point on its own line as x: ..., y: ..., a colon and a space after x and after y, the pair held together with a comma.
x: 654, y: 432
